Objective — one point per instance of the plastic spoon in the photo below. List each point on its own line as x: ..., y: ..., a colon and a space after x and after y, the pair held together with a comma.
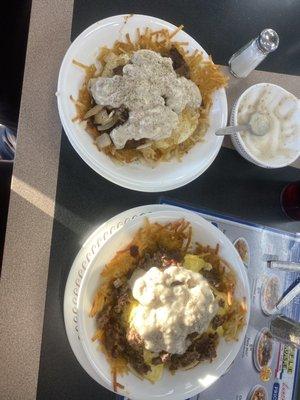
x: 259, y: 125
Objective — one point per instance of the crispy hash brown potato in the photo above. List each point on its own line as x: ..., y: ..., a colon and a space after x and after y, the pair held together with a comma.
x: 192, y: 125
x: 113, y: 304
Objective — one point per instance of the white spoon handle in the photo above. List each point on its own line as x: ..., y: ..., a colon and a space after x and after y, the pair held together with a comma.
x: 229, y: 130
x: 288, y: 297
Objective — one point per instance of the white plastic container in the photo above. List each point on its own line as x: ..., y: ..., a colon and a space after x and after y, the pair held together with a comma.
x: 239, y: 143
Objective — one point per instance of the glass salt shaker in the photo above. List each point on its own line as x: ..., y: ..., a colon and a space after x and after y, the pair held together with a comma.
x: 253, y: 53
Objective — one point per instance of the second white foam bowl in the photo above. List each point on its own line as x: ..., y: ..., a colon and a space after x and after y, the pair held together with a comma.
x: 183, y: 384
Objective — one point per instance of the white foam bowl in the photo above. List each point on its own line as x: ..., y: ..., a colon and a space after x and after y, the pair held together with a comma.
x: 136, y: 176
x: 238, y: 142
x: 183, y: 384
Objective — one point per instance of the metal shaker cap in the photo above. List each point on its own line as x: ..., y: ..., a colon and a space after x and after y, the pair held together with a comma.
x: 268, y: 40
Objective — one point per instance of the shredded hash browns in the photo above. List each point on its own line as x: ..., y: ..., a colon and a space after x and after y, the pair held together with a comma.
x: 203, y: 72
x: 113, y: 301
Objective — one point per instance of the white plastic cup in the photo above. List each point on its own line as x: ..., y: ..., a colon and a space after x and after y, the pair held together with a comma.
x: 237, y: 140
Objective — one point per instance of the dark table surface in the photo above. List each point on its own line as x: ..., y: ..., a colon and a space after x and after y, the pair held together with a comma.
x: 231, y: 185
